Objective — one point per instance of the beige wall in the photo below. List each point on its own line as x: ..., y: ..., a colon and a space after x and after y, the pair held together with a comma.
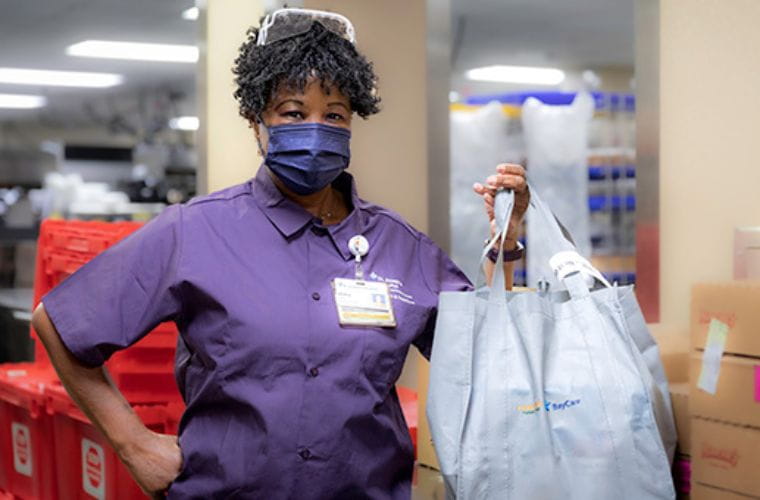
x: 709, y: 141
x: 389, y: 157
x: 227, y: 149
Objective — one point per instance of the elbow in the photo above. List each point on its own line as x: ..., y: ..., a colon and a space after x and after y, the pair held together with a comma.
x: 40, y: 321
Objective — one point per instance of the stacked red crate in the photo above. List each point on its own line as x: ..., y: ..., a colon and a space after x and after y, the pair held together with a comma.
x: 85, y: 464
x: 26, y: 433
x: 408, y: 401
x: 48, y: 448
x: 144, y: 372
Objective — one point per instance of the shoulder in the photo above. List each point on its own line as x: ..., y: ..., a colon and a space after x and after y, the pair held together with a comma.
x: 230, y: 202
x: 221, y: 197
x: 389, y: 219
x: 437, y: 269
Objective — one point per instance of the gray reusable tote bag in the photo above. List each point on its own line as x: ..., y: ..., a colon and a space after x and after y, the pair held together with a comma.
x: 553, y: 394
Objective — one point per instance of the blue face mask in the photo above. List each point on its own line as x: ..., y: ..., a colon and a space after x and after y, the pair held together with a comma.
x: 306, y: 157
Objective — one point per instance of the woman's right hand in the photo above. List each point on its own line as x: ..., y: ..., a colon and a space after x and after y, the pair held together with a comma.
x: 154, y: 460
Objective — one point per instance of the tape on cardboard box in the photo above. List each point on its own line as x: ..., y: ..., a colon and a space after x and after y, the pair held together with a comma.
x: 734, y: 303
x: 717, y: 335
x: 735, y: 398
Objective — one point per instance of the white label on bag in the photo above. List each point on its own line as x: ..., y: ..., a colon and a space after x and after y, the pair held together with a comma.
x: 22, y: 449
x: 716, y: 342
x: 568, y: 262
x: 93, y: 469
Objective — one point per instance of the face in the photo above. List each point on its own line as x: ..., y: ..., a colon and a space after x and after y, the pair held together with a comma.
x: 314, y: 105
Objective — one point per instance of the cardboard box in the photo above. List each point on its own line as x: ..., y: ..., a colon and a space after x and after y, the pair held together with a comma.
x: 725, y: 456
x: 425, y: 451
x: 737, y: 398
x: 673, y: 343
x: 707, y: 492
x: 679, y: 398
x: 736, y: 303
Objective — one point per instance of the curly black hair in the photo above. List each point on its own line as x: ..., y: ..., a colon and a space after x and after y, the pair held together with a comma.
x: 262, y: 70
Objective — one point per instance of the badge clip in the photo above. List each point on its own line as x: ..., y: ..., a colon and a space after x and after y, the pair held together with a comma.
x: 358, y: 246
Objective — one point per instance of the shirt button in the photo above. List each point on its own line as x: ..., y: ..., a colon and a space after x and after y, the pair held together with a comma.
x: 315, y: 296
x: 314, y: 372
x: 305, y: 454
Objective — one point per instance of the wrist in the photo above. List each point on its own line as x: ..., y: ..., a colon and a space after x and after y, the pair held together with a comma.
x: 513, y: 250
x: 133, y: 443
x: 511, y: 239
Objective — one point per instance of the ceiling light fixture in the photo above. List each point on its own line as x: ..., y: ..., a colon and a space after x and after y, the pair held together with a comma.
x: 517, y: 74
x: 58, y: 78
x: 135, y: 51
x: 184, y: 123
x: 19, y: 101
x: 190, y: 14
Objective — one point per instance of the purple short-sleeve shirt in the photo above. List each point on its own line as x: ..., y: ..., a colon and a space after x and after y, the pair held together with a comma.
x: 282, y: 402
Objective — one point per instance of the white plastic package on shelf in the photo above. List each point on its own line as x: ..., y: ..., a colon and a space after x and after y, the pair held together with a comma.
x: 556, y: 143
x: 480, y: 140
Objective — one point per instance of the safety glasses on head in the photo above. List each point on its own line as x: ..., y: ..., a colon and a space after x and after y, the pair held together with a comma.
x: 286, y: 23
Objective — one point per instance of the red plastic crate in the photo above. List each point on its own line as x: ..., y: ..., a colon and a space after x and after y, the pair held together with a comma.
x: 86, y: 466
x: 144, y: 387
x: 84, y: 236
x: 143, y: 372
x: 65, y: 245
x: 26, y: 433
x: 408, y: 400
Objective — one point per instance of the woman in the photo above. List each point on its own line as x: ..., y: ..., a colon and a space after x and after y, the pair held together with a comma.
x: 289, y: 390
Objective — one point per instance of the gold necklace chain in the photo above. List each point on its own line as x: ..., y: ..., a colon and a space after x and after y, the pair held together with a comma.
x: 328, y: 214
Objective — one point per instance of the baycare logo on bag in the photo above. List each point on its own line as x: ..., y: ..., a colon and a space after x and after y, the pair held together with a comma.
x: 720, y: 457
x: 547, y: 406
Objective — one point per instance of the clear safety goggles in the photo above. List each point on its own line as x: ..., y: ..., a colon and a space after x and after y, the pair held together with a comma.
x: 286, y: 23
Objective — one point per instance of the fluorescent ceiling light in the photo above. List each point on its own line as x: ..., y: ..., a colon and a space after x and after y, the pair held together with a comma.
x: 190, y: 14
x: 185, y: 123
x: 19, y: 101
x: 517, y: 74
x: 134, y: 51
x: 58, y: 78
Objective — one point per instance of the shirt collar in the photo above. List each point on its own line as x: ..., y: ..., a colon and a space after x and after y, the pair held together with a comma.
x: 356, y: 221
x: 289, y: 217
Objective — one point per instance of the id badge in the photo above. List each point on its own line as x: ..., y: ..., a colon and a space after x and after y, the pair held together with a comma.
x: 363, y: 303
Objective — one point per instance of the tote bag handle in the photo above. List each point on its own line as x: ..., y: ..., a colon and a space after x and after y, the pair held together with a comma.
x: 565, y: 259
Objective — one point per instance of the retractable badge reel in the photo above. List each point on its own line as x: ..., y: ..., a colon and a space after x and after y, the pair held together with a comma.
x: 361, y: 302
x: 359, y: 246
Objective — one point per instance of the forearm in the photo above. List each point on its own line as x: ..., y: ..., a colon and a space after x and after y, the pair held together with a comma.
x: 91, y: 389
